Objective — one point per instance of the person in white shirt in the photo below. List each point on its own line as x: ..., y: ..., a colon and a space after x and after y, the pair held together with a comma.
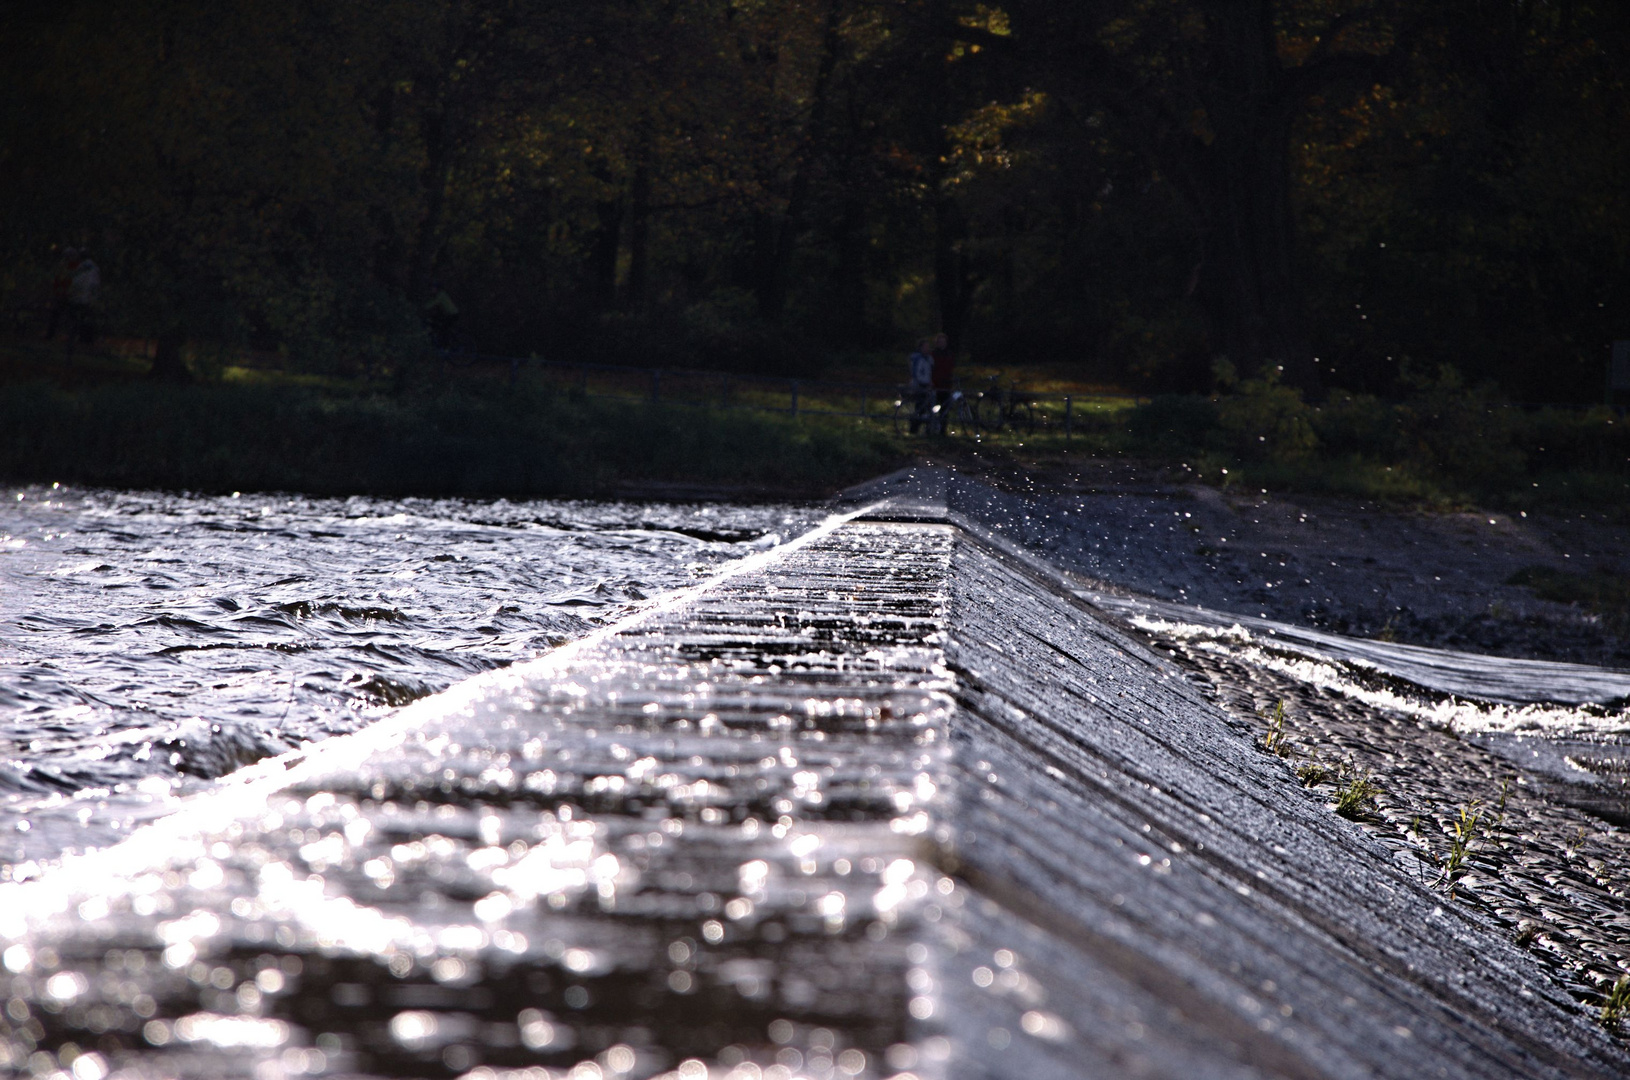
x: 83, y: 289
x: 920, y: 386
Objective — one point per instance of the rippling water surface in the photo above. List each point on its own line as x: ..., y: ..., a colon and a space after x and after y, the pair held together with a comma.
x: 150, y: 642
x: 884, y: 802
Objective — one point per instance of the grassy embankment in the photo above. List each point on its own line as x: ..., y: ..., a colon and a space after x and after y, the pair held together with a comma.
x: 96, y: 422
x: 1443, y: 447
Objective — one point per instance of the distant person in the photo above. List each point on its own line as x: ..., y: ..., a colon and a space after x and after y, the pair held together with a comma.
x: 442, y: 316
x: 943, y: 376
x: 83, y: 291
x: 61, y: 282
x: 920, y: 384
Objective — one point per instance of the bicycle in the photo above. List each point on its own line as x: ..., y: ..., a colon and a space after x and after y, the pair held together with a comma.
x: 998, y: 407
x: 955, y: 417
x: 456, y: 347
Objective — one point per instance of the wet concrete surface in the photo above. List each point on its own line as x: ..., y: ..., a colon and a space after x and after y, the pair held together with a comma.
x: 885, y: 801
x: 1529, y: 758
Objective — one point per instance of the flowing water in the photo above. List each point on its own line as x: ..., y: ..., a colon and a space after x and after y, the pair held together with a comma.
x: 882, y: 801
x: 1568, y: 723
x: 151, y: 642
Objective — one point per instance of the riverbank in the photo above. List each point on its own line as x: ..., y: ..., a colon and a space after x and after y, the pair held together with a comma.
x: 1531, y: 559
x: 1544, y: 584
x: 464, y: 440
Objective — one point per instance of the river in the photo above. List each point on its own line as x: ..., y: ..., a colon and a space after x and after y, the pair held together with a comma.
x: 151, y: 642
x: 889, y: 797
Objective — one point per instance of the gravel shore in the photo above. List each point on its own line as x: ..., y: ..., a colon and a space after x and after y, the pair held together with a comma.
x: 1344, y: 565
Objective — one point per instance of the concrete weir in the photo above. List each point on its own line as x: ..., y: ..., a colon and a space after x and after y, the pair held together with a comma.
x: 881, y: 801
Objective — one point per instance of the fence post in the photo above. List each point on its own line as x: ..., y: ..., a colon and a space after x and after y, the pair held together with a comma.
x: 865, y: 395
x: 656, y: 385
x: 1069, y: 417
x: 724, y: 396
x: 795, y: 398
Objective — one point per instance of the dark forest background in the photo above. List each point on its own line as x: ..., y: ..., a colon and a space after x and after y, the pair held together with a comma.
x: 1355, y: 192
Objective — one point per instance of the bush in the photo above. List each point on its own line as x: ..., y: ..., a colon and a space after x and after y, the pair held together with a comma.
x: 1574, y: 439
x: 1465, y: 436
x: 1264, y: 420
x: 1173, y: 423
x: 1358, y: 424
x: 493, y: 442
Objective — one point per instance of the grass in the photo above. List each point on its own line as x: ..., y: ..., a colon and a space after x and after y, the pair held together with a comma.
x: 1356, y: 799
x: 1313, y: 772
x: 469, y: 439
x: 1616, y: 1005
x: 1275, y: 741
x: 1600, y: 592
x: 1460, y: 844
x: 1445, y: 447
x: 1052, y: 379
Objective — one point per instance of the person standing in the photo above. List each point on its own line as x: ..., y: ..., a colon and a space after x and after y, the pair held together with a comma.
x: 83, y: 291
x: 942, y: 375
x: 920, y: 385
x: 61, y: 282
x: 442, y: 315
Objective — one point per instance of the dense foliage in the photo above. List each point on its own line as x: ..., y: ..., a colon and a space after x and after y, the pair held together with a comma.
x: 1341, y: 190
x: 1441, y: 443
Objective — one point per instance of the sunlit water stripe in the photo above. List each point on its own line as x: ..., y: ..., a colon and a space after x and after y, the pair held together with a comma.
x: 1354, y: 676
x: 1505, y: 681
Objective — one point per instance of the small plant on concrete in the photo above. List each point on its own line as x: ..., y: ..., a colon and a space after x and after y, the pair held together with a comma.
x: 1314, y: 772
x: 1460, y: 846
x: 1616, y: 1006
x: 1356, y: 800
x: 1275, y: 742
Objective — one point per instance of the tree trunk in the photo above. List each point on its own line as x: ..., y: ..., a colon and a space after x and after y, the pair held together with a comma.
x: 603, y: 253
x: 440, y: 127
x: 1240, y: 172
x: 433, y: 181
x: 776, y: 241
x: 953, y: 281
x: 768, y: 284
x: 1247, y: 284
x: 849, y: 275
x: 639, y: 238
x: 168, y: 365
